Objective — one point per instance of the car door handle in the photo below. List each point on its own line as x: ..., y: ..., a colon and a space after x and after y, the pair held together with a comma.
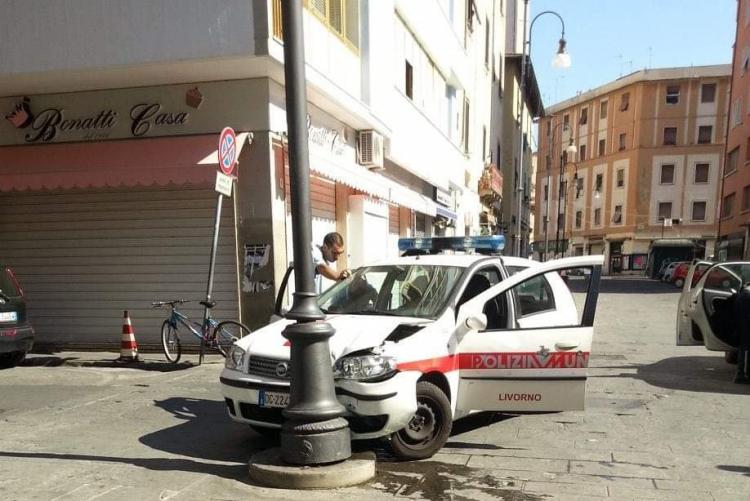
x: 566, y: 345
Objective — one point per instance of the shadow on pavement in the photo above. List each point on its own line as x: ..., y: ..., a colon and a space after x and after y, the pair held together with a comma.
x: 705, y: 374
x: 614, y: 285
x: 745, y: 470
x: 150, y: 365
x: 212, y: 443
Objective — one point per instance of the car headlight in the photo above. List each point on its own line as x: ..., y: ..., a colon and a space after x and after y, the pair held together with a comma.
x: 235, y: 358
x: 364, y: 367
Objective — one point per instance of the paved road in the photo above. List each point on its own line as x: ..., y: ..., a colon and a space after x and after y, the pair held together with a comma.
x: 662, y: 422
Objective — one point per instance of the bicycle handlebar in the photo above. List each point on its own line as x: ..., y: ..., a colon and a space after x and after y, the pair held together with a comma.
x: 159, y: 304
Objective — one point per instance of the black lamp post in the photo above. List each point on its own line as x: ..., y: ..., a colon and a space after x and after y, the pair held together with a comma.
x: 315, y: 432
x: 562, y: 201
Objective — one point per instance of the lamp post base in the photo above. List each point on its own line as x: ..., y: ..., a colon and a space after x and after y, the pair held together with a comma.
x: 268, y: 469
x: 323, y: 442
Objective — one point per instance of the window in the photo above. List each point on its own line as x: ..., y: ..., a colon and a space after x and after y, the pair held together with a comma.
x: 566, y: 121
x: 699, y: 211
x: 487, y: 42
x: 732, y: 158
x: 599, y: 182
x: 603, y: 110
x: 565, y: 158
x: 534, y: 296
x: 561, y: 220
x: 549, y: 128
x: 602, y: 147
x: 409, y: 80
x: 670, y: 135
x: 624, y: 101
x: 726, y: 207
x: 667, y: 174
x: 704, y: 134
x: 665, y: 210
x: 582, y: 152
x: 579, y: 187
x: 470, y: 13
x: 622, y: 141
x: 465, y: 134
x: 673, y: 94
x: 584, y: 116
x: 617, y: 216
x: 546, y: 192
x: 708, y: 93
x: 563, y: 189
x: 341, y: 17
x: 579, y: 218
x: 481, y: 281
x: 620, y: 178
x: 746, y: 198
x: 747, y: 150
x: 701, y: 173
x: 597, y: 217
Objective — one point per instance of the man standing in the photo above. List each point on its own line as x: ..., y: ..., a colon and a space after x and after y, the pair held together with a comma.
x: 324, y: 256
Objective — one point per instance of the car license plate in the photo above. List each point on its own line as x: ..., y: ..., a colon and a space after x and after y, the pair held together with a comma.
x: 272, y: 399
x: 8, y: 316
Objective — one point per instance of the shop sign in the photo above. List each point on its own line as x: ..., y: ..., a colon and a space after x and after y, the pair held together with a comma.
x: 129, y: 113
x: 442, y: 197
x: 328, y: 140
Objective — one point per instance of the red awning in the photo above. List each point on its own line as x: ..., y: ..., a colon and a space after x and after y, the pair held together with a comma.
x: 134, y: 162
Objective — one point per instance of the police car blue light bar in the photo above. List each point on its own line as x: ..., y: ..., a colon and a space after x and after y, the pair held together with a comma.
x: 494, y: 243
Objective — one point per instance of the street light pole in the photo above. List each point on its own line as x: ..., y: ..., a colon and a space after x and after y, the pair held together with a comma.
x: 561, y: 60
x: 314, y: 432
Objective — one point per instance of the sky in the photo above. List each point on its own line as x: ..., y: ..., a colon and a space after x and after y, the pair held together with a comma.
x: 611, y: 38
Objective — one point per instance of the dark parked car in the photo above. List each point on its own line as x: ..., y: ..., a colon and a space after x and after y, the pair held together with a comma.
x: 16, y: 334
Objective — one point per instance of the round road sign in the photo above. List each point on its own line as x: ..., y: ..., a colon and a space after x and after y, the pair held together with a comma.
x: 227, y: 150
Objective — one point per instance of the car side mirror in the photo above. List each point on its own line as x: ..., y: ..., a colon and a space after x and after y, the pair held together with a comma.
x: 472, y: 322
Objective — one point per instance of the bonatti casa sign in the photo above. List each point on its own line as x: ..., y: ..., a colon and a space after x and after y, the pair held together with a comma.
x: 50, y: 123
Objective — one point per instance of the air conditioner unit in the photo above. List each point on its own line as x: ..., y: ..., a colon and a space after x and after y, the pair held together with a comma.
x: 370, y: 149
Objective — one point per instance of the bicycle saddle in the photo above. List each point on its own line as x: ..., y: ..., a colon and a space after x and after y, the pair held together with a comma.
x: 208, y: 304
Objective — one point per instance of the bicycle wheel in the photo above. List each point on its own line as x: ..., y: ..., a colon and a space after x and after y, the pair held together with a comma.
x: 226, y: 333
x: 170, y: 342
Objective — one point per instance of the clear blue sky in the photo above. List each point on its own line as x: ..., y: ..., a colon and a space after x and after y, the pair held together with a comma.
x: 610, y: 38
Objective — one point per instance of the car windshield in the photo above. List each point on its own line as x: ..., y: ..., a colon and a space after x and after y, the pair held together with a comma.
x: 397, y: 290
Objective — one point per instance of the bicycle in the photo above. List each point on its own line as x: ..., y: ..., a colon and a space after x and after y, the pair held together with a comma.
x: 215, y: 335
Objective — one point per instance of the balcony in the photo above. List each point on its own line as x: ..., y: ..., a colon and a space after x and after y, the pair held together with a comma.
x: 491, y: 184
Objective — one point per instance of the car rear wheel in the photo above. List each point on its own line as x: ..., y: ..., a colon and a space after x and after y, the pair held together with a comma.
x: 731, y: 357
x: 428, y: 429
x: 679, y: 282
x: 8, y: 360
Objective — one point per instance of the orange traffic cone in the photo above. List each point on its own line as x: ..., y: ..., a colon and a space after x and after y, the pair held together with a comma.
x: 128, y: 346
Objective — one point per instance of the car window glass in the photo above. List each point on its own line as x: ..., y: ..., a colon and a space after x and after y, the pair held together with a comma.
x: 534, y: 296
x: 479, y: 282
x: 723, y: 278
x: 7, y: 285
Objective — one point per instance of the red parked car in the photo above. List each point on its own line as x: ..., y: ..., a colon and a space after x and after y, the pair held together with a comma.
x: 679, y: 274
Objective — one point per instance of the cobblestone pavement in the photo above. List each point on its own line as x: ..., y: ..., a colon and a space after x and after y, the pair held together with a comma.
x: 662, y: 422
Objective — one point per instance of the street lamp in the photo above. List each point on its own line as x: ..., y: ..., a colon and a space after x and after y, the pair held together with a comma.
x: 570, y: 152
x: 315, y: 431
x: 561, y: 60
x: 549, y: 185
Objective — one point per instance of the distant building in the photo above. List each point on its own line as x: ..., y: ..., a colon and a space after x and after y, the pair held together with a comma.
x: 734, y: 225
x: 644, y: 183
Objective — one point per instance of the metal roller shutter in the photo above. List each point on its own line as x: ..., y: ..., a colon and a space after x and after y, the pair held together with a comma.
x: 85, y: 256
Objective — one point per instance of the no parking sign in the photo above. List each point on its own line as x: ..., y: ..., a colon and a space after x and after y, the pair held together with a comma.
x: 227, y: 150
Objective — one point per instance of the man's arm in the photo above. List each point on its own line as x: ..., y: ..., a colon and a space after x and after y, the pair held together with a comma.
x: 330, y: 273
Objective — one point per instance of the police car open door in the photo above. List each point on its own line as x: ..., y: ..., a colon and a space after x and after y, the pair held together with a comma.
x: 521, y: 365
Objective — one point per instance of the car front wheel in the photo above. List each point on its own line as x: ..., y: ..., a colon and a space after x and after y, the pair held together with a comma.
x: 429, y: 427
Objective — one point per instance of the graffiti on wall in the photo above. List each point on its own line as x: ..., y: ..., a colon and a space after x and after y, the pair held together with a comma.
x: 256, y: 258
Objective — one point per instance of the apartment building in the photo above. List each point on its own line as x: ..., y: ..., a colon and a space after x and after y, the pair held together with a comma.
x: 108, y: 149
x: 734, y: 225
x: 643, y: 185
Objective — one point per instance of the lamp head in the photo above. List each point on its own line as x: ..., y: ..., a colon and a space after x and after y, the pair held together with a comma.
x: 562, y: 58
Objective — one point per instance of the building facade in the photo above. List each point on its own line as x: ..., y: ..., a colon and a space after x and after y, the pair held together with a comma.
x: 644, y: 184
x: 108, y: 149
x: 734, y: 225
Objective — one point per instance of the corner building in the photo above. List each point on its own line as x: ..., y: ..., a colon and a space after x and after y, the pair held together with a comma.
x: 108, y: 142
x: 644, y: 184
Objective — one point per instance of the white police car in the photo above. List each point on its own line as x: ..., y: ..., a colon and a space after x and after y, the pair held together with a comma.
x: 422, y: 340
